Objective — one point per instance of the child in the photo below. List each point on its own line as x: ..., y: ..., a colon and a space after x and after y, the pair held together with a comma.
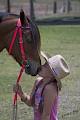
x: 44, y: 95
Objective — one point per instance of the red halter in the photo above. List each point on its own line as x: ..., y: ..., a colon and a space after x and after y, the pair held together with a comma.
x: 18, y: 30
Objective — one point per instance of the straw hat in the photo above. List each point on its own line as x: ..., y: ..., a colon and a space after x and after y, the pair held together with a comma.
x: 58, y: 65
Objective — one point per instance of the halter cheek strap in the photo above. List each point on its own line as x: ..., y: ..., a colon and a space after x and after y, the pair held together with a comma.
x: 18, y: 30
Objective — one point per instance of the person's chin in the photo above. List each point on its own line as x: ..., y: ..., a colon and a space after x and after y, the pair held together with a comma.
x: 40, y: 73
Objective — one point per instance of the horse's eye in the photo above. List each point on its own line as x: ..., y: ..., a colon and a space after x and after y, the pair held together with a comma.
x: 27, y: 36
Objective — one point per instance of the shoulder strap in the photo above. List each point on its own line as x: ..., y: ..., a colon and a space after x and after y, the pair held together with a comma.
x: 37, y: 85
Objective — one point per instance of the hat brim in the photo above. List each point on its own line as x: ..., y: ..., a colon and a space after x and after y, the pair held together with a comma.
x: 46, y: 56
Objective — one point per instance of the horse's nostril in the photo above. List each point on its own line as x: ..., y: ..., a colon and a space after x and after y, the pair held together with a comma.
x: 27, y: 66
x: 28, y: 69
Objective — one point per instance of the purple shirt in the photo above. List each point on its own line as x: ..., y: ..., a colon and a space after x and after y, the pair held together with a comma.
x: 37, y: 114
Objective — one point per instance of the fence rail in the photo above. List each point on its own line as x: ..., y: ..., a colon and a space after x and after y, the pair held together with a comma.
x: 44, y: 8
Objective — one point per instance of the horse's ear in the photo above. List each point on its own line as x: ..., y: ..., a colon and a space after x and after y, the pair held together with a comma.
x: 23, y: 18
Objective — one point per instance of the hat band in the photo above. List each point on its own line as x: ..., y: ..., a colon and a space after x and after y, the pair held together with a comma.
x: 54, y: 72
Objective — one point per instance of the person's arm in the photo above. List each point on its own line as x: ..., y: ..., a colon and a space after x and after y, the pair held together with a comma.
x: 49, y: 94
x: 27, y: 99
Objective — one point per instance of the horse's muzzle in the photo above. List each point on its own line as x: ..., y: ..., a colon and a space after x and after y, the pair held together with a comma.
x: 32, y: 68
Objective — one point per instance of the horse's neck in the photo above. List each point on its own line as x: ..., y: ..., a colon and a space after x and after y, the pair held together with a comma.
x: 7, y: 26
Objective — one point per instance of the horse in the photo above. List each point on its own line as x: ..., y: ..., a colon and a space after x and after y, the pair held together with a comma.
x: 30, y: 40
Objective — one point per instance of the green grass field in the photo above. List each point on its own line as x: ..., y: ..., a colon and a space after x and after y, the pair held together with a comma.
x: 64, y: 40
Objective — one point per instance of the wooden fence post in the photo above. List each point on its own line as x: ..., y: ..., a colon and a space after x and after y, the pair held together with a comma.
x: 8, y: 6
x: 32, y: 15
x: 54, y: 7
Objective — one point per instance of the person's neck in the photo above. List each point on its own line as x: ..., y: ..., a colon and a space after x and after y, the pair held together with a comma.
x: 47, y: 79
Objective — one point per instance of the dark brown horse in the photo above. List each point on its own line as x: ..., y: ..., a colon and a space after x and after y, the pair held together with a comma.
x: 31, y: 41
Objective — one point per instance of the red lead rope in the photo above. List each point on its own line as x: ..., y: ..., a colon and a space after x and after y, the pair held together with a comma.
x: 18, y: 79
x: 18, y: 29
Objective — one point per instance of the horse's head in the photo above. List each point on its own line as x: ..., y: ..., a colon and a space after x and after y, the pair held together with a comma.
x: 31, y: 44
x: 31, y: 41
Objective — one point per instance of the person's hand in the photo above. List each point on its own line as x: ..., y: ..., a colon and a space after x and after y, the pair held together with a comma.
x: 17, y: 89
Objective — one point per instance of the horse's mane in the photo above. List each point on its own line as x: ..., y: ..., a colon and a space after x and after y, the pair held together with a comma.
x: 34, y: 30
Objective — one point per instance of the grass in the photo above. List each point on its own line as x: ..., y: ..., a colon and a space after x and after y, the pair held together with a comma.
x: 64, y: 40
